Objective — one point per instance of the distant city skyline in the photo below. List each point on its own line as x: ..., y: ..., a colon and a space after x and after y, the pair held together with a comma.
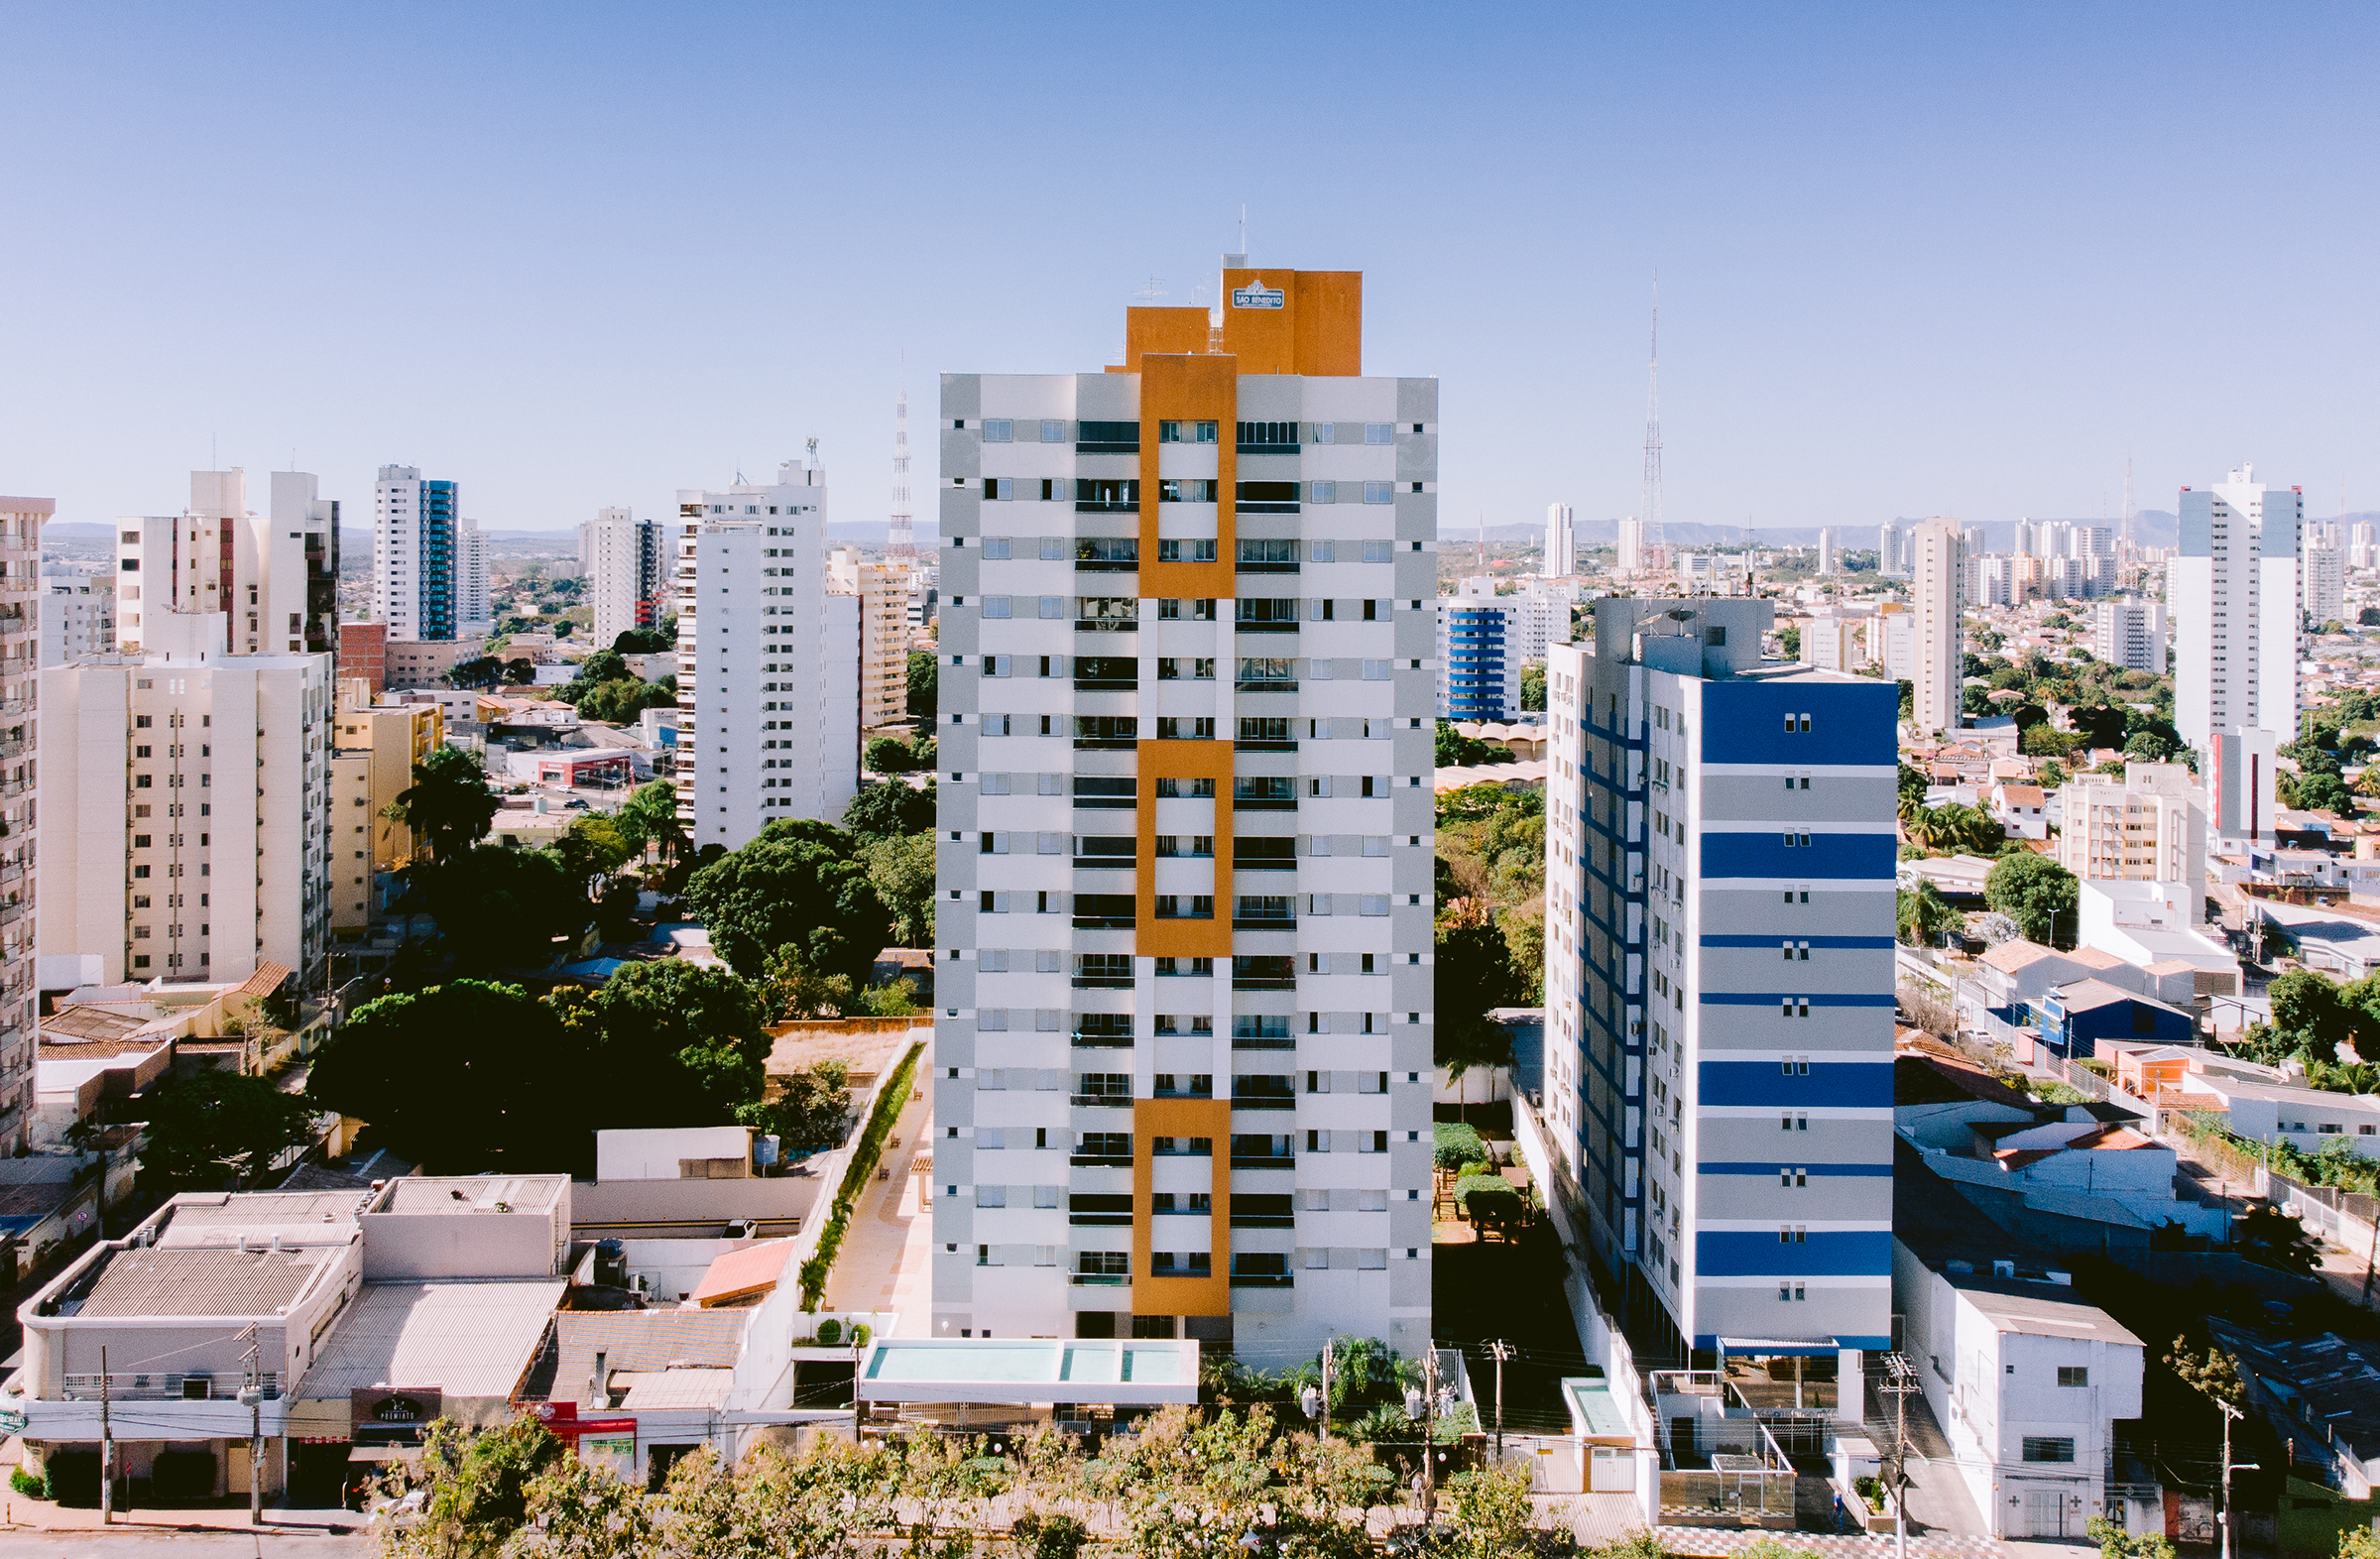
x: 1911, y: 262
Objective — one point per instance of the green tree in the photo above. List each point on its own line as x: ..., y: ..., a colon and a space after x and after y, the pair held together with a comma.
x: 644, y: 641
x: 814, y: 1106
x: 220, y: 1129
x: 2324, y: 793
x: 1789, y: 643
x: 922, y: 687
x: 2214, y: 1374
x: 448, y: 806
x: 519, y: 673
x: 886, y: 755
x: 2038, y: 894
x: 2272, y: 1237
x: 797, y: 882
x: 1921, y: 915
x: 1532, y: 685
x: 589, y: 851
x: 1457, y: 750
x: 1475, y: 975
x: 888, y: 809
x: 620, y: 700
x: 902, y: 870
x: 648, y: 819
x: 675, y: 1043
x: 481, y: 672
x: 499, y: 909
x: 460, y: 1077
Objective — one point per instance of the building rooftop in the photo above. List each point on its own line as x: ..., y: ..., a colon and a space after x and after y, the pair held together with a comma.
x: 195, y: 1281
x: 468, y: 1339
x: 417, y: 1195
x: 1141, y: 1372
x: 742, y: 1274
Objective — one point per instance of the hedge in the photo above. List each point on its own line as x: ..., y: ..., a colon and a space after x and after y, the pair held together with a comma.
x: 1457, y: 1145
x: 864, y: 1157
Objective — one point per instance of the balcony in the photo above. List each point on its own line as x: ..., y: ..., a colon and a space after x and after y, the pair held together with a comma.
x: 1262, y: 1102
x: 1254, y: 624
x: 1264, y: 1280
x: 1102, y: 982
x: 1092, y: 438
x: 1263, y: 1041
x: 1263, y: 1160
x: 1100, y: 1279
x: 1100, y: 1101
x: 1100, y: 1041
x: 1099, y: 1160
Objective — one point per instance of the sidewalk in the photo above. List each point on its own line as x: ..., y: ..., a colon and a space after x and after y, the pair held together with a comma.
x: 886, y: 1260
x: 285, y: 1532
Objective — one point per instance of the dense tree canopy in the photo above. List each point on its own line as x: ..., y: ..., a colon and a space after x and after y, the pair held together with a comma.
x: 464, y: 1076
x: 220, y: 1129
x: 649, y: 817
x: 449, y: 804
x: 674, y: 1043
x: 924, y: 680
x: 892, y: 808
x: 797, y: 883
x: 500, y: 909
x: 2038, y: 894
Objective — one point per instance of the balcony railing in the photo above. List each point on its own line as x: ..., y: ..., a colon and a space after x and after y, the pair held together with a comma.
x: 1100, y: 1279
x: 1101, y: 1101
x: 1263, y: 1101
x: 1099, y: 1160
x: 1264, y: 1161
x: 1264, y: 1280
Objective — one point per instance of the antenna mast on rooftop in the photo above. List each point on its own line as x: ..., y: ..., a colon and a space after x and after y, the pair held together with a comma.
x: 901, y: 537
x: 1654, y: 537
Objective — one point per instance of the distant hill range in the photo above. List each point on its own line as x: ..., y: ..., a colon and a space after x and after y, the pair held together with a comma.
x: 2151, y: 527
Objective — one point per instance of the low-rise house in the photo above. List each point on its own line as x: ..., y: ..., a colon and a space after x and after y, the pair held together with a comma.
x: 2146, y: 923
x: 2021, y: 809
x: 2338, y: 939
x: 2308, y: 1118
x: 2026, y: 1379
x: 2072, y: 1019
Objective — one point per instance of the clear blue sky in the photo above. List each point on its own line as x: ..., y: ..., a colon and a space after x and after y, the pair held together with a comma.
x: 1914, y: 259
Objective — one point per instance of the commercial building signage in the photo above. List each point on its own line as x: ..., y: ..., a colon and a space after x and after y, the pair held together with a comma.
x: 1256, y: 294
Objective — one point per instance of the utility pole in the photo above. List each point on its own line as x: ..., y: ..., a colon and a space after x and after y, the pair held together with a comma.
x: 859, y: 1408
x: 1502, y: 1351
x: 2229, y: 1413
x: 1429, y: 1434
x: 1900, y: 1379
x: 251, y: 1391
x: 108, y: 1450
x: 1324, y: 1417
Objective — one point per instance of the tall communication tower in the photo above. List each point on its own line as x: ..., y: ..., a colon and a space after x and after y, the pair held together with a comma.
x: 1654, y: 537
x: 903, y: 539
x: 2124, y: 531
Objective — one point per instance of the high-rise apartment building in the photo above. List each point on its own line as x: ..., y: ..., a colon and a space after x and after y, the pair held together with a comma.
x: 2325, y: 585
x: 473, y: 618
x: 630, y: 572
x: 2150, y: 826
x: 20, y: 521
x: 1183, y: 1043
x: 1560, y: 540
x: 1938, y: 647
x: 78, y: 611
x: 1718, y: 983
x: 415, y: 554
x: 1631, y: 559
x: 2236, y: 597
x: 1826, y: 549
x: 1830, y: 640
x: 2129, y: 632
x: 219, y: 578
x: 2243, y: 784
x: 768, y: 662
x: 2363, y: 547
x: 1479, y: 673
x: 158, y: 770
x: 882, y: 592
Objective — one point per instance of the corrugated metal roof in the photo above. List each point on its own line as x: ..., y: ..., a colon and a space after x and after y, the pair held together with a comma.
x: 201, y: 1281
x: 467, y: 1339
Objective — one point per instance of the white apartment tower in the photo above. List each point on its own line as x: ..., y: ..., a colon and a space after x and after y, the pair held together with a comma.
x: 2129, y: 632
x: 473, y: 616
x: 768, y: 662
x: 629, y: 570
x: 1183, y: 1031
x: 20, y: 521
x: 882, y: 592
x: 417, y: 554
x: 2325, y: 585
x: 2236, y: 597
x: 218, y: 578
x: 1630, y: 560
x: 1826, y: 549
x: 157, y: 770
x: 78, y: 611
x: 1560, y: 542
x: 1938, y: 650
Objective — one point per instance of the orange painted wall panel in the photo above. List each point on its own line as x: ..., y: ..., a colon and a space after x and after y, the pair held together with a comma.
x: 1211, y: 1118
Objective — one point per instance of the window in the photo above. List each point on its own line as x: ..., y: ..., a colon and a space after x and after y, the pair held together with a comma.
x: 2074, y: 1374
x: 1184, y: 552
x: 1793, y: 1233
x: 1379, y: 432
x: 1052, y: 431
x: 2049, y: 1447
x: 1328, y: 492
x: 1790, y: 1178
x: 1379, y: 492
x: 999, y: 430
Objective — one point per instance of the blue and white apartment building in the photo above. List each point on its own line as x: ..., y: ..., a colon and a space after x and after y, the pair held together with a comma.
x: 1718, y: 981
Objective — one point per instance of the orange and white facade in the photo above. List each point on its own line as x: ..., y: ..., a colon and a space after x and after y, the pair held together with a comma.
x: 1188, y: 679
